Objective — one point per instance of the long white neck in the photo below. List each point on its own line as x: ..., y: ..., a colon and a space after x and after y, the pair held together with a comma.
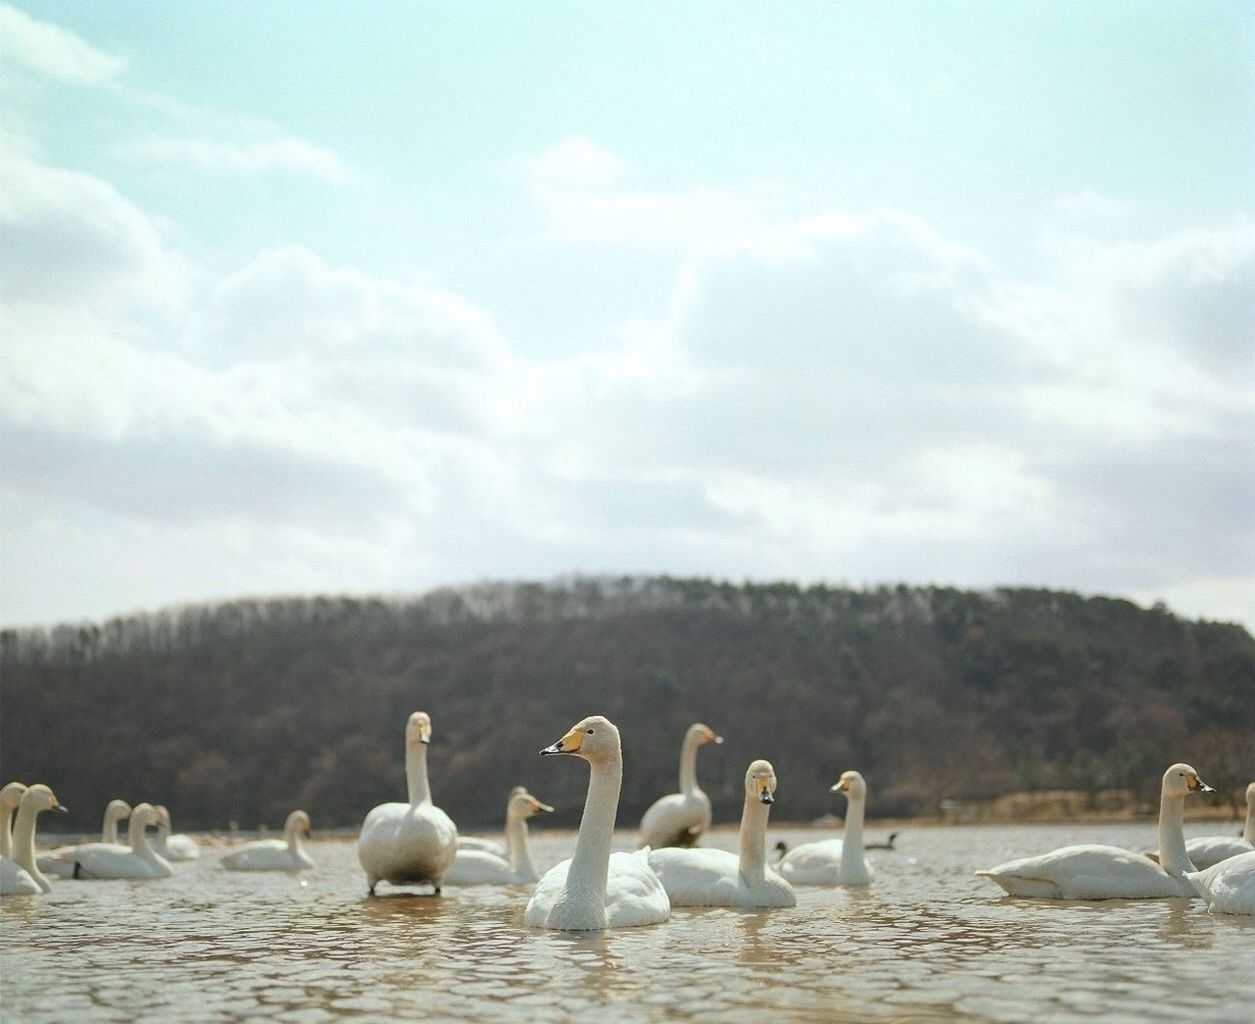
x: 24, y: 844
x: 136, y: 835
x: 6, y: 832
x: 852, y: 838
x: 753, y: 844
x: 590, y: 864
x: 416, y: 772
x: 292, y: 833
x: 109, y: 830
x: 1173, y: 857
x: 517, y: 851
x: 688, y: 764
x: 1248, y: 831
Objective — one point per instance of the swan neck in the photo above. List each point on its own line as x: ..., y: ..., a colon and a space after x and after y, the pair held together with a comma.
x: 416, y: 773
x: 24, y: 844
x: 852, y: 839
x: 590, y: 864
x: 137, y: 835
x: 1248, y: 830
x: 109, y: 829
x: 517, y: 851
x: 293, y: 836
x: 688, y: 765
x: 753, y: 841
x: 1173, y: 857
x: 6, y: 833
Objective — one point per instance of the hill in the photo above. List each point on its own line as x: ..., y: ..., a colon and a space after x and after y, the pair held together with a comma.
x: 244, y: 710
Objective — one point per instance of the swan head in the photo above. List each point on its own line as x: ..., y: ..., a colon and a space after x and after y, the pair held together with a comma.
x: 1181, y: 780
x: 41, y: 798
x: 851, y: 785
x: 418, y: 728
x: 524, y: 805
x: 702, y: 734
x: 595, y: 739
x: 297, y: 821
x: 11, y: 796
x: 118, y: 808
x: 1250, y: 795
x: 162, y: 815
x: 147, y: 814
x: 760, y: 782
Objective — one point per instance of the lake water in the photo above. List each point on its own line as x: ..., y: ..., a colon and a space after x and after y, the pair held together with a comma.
x: 927, y: 941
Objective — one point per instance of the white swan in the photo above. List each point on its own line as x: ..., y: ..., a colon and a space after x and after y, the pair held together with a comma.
x: 482, y: 867
x: 409, y: 843
x: 20, y: 875
x: 51, y: 862
x: 716, y: 878
x: 493, y: 846
x: 10, y: 797
x: 113, y: 860
x: 1096, y: 872
x: 1228, y: 887
x: 834, y: 861
x: 679, y: 819
x: 1205, y: 851
x: 597, y: 889
x: 286, y: 854
x: 173, y: 848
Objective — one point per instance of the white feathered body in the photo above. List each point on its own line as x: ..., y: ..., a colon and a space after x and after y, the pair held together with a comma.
x: 1205, y: 851
x: 482, y: 867
x: 678, y: 819
x: 476, y: 843
x: 100, y: 861
x: 15, y: 880
x: 1228, y: 887
x: 1089, y: 871
x: 177, y: 848
x: 267, y: 855
x: 822, y: 863
x: 407, y: 844
x: 713, y: 878
x: 634, y: 896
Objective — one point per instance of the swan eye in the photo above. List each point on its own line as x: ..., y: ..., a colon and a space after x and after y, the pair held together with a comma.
x: 589, y: 731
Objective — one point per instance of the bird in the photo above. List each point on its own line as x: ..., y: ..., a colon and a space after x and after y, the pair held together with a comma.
x: 679, y: 819
x: 834, y: 861
x: 286, y: 854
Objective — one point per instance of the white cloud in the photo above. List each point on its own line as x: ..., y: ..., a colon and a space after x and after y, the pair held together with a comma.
x: 54, y: 52
x: 280, y: 153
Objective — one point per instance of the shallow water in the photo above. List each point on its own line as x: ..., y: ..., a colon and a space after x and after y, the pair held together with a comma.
x: 927, y: 941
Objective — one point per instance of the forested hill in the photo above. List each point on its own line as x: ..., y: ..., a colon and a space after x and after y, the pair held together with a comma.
x: 245, y: 710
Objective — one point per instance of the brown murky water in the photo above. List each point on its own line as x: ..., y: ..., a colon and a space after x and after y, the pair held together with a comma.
x: 927, y: 941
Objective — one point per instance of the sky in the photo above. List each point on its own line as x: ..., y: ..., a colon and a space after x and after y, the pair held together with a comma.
x: 369, y: 298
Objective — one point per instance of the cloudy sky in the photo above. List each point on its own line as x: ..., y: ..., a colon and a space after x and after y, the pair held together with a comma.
x: 375, y: 297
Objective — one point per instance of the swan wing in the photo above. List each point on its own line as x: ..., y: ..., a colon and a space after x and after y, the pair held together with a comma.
x: 113, y: 860
x: 697, y: 878
x: 1228, y: 887
x: 479, y: 867
x: 634, y: 894
x: 1205, y: 851
x: 675, y: 820
x: 402, y: 843
x: 262, y: 855
x: 15, y: 880
x: 1087, y: 872
x: 475, y: 843
x: 181, y: 847
x: 817, y: 863
x: 547, y: 895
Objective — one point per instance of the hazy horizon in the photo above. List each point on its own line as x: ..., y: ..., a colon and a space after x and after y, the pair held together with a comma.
x: 307, y: 298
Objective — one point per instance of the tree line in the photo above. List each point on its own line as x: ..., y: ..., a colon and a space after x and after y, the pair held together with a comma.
x: 244, y: 710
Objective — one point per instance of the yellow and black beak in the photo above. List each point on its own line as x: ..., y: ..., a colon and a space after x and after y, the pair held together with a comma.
x: 538, y: 806
x: 569, y: 744
x: 839, y: 787
x: 1197, y: 785
x: 764, y: 792
x: 59, y: 807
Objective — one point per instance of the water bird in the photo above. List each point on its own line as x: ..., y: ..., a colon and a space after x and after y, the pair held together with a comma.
x: 597, y: 889
x: 138, y: 859
x: 53, y: 862
x: 1092, y: 871
x: 286, y: 854
x: 717, y: 878
x: 414, y: 843
x: 1227, y: 887
x: 679, y: 819
x: 491, y: 845
x: 834, y: 861
x: 483, y: 867
x: 10, y: 797
x: 1205, y: 851
x: 20, y: 875
x: 178, y: 847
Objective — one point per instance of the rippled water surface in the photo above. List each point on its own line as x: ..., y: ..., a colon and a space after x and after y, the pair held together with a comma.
x: 927, y: 941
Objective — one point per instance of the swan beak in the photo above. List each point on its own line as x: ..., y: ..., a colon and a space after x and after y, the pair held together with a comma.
x: 539, y: 806
x: 839, y: 787
x: 766, y: 797
x: 1198, y: 785
x: 717, y: 739
x: 569, y: 744
x: 60, y: 808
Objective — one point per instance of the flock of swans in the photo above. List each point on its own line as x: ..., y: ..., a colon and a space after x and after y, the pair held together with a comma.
x: 416, y: 842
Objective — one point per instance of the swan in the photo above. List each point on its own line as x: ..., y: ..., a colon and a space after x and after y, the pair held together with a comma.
x: 51, y: 862
x: 491, y: 845
x: 482, y: 867
x: 286, y: 854
x: 113, y: 860
x: 1095, y: 872
x: 1228, y: 887
x: 173, y: 848
x: 716, y: 878
x: 10, y: 797
x: 679, y: 819
x: 834, y: 861
x: 1205, y: 851
x: 597, y: 889
x: 20, y: 875
x: 414, y: 842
